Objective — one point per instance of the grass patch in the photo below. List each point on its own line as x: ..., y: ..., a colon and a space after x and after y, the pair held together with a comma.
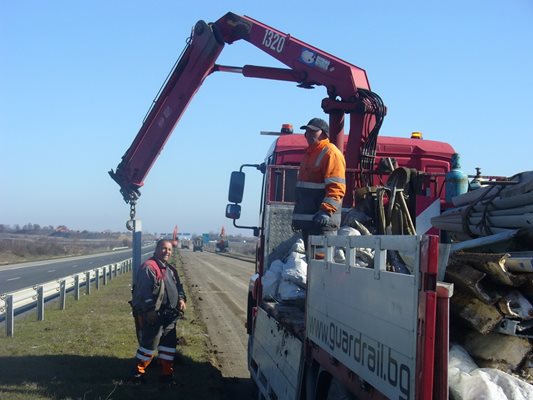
x: 86, y: 352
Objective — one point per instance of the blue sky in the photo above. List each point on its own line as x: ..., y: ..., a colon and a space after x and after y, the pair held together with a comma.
x: 77, y: 77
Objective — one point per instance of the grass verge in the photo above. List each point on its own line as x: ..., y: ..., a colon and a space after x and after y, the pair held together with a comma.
x: 86, y: 352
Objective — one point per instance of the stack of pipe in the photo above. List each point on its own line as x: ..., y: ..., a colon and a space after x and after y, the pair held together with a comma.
x: 498, y: 207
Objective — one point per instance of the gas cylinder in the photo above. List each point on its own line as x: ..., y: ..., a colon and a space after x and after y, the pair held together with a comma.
x: 456, y: 180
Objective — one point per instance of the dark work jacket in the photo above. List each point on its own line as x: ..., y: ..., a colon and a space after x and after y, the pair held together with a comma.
x: 157, y: 286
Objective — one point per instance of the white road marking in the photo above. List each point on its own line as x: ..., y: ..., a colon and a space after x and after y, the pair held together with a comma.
x: 52, y: 270
x: 13, y: 279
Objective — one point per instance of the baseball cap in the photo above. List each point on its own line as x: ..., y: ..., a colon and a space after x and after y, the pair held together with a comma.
x: 316, y: 124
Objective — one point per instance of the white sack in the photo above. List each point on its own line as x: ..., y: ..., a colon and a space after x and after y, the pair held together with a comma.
x: 295, y: 269
x: 468, y: 382
x: 290, y: 291
x: 271, y: 280
x: 298, y: 247
x: 363, y: 255
x: 339, y: 255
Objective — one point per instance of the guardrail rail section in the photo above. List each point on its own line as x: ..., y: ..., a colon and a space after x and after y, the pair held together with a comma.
x: 15, y: 303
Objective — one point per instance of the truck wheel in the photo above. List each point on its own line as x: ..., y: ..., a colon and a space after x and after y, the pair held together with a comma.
x: 337, y: 391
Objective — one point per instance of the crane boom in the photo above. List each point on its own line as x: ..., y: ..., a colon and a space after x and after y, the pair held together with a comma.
x: 347, y: 88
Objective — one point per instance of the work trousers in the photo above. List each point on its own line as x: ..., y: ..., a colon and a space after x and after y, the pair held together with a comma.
x: 159, y: 337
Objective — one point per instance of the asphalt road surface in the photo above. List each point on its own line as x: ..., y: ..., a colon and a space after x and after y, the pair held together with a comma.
x: 219, y: 283
x: 15, y: 277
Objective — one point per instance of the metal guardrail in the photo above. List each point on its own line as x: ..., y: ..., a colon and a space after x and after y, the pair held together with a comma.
x: 15, y: 303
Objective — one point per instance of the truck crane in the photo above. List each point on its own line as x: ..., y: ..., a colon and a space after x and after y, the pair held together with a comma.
x: 345, y: 348
x: 347, y: 86
x: 175, y: 237
x: 222, y: 242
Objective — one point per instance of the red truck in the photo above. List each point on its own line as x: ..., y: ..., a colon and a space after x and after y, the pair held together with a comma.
x: 366, y: 332
x: 348, y: 338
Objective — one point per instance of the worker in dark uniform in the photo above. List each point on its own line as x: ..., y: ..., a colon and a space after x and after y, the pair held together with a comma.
x: 321, y: 184
x: 158, y: 301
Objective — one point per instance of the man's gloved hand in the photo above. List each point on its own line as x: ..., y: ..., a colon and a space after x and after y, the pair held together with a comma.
x: 321, y: 218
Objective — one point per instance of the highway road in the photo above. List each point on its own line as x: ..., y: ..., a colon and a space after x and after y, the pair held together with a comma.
x: 14, y: 277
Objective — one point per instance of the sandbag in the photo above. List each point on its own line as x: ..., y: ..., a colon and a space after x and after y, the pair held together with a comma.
x: 468, y: 382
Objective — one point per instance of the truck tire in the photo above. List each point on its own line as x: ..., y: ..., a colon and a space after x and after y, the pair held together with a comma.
x: 337, y: 391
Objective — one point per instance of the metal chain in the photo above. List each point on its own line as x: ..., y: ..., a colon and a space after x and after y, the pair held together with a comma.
x: 132, y: 210
x: 130, y: 225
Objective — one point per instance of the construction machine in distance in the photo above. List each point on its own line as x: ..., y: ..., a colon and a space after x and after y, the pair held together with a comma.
x: 175, y: 242
x: 222, y: 244
x: 367, y: 332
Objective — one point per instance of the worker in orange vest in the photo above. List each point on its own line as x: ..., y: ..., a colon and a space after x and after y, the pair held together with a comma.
x: 321, y: 184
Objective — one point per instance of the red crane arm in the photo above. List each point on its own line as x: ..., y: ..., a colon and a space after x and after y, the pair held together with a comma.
x: 195, y: 63
x: 347, y: 87
x: 311, y: 65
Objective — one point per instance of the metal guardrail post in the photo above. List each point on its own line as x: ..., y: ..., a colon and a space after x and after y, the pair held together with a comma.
x: 10, y: 316
x: 115, y: 269
x: 110, y: 272
x: 40, y: 303
x: 62, y: 294
x: 97, y: 278
x: 104, y: 273
x: 76, y: 287
x: 88, y: 283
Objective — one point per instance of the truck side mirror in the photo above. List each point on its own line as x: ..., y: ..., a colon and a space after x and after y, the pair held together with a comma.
x: 233, y: 211
x: 236, y: 188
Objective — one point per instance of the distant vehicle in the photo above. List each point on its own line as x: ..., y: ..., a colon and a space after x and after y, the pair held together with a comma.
x: 198, y: 244
x: 185, y: 243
